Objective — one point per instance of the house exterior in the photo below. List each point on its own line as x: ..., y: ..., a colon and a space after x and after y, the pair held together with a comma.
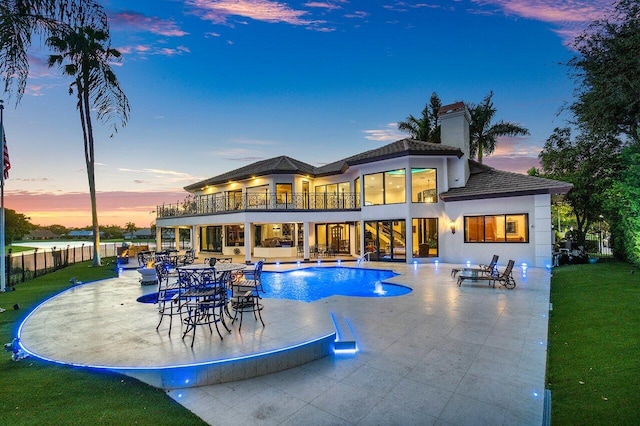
x: 408, y: 201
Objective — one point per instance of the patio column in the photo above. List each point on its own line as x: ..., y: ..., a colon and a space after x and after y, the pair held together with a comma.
x: 305, y: 229
x: 247, y: 242
x: 158, y: 238
x: 176, y: 237
x: 195, y: 240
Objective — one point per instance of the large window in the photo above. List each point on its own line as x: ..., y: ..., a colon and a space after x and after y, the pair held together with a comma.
x: 384, y: 188
x: 332, y: 195
x: 503, y: 228
x: 425, y: 237
x: 385, y: 239
x: 284, y: 193
x: 424, y: 188
x: 235, y: 235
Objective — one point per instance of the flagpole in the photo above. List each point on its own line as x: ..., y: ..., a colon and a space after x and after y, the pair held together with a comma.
x: 3, y: 261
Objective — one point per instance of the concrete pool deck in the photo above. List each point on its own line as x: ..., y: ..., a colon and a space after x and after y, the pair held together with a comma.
x: 442, y: 354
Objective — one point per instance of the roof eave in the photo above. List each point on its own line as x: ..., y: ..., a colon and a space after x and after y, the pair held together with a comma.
x: 203, y: 184
x: 448, y: 153
x: 522, y: 193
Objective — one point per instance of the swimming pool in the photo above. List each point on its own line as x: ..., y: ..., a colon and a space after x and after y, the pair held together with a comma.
x: 311, y: 284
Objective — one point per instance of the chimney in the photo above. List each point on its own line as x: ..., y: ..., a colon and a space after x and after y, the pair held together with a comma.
x: 454, y: 131
x: 454, y: 126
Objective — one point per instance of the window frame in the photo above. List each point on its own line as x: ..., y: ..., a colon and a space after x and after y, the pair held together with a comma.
x: 420, y: 197
x: 385, y: 189
x: 506, y: 226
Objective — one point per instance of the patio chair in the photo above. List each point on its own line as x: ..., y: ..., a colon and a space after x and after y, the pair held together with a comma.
x: 187, y: 258
x: 168, y: 295
x: 203, y: 301
x: 488, y: 269
x: 505, y: 278
x: 253, y: 277
x: 246, y: 295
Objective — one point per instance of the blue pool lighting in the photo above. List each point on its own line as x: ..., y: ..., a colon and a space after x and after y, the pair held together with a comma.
x: 311, y: 284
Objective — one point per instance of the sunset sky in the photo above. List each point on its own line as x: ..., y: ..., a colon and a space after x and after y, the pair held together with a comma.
x: 217, y: 84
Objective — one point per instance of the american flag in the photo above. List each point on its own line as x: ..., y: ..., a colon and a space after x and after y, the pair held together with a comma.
x: 5, y: 157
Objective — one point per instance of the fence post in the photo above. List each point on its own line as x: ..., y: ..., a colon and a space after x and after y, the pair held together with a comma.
x: 7, y: 268
x: 35, y: 262
x: 24, y: 278
x: 82, y: 253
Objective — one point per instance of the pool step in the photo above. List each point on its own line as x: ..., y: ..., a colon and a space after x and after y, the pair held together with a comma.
x: 345, y: 340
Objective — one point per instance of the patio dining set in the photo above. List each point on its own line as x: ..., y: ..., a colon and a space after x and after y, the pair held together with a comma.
x: 208, y: 294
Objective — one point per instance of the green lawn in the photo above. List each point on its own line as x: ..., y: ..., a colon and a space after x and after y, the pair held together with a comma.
x: 34, y: 392
x: 18, y: 249
x: 593, y: 367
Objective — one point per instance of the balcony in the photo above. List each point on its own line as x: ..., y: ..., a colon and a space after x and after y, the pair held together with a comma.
x: 248, y: 202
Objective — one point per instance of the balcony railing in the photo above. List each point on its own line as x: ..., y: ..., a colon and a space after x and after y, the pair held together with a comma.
x: 212, y: 204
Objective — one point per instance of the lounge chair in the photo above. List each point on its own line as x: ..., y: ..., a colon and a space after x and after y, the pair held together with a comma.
x: 488, y: 269
x: 505, y: 278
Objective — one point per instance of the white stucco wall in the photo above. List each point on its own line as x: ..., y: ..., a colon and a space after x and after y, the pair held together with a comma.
x: 537, y: 252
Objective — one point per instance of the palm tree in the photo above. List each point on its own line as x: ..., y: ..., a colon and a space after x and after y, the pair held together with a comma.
x: 484, y: 134
x: 426, y: 128
x: 21, y: 20
x: 84, y: 54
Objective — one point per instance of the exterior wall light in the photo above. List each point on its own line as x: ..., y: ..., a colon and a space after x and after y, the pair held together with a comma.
x: 452, y: 225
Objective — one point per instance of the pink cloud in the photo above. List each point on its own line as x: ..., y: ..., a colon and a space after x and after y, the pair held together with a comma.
x: 556, y: 11
x: 218, y: 11
x: 512, y: 164
x: 570, y: 16
x: 358, y: 14
x: 514, y: 154
x: 322, y: 5
x: 152, y: 50
x: 139, y: 22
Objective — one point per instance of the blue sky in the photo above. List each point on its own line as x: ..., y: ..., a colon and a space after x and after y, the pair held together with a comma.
x: 217, y: 84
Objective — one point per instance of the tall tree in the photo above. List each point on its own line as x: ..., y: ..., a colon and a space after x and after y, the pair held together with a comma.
x: 427, y: 127
x: 591, y: 163
x: 483, y: 134
x: 17, y: 225
x: 130, y: 227
x: 622, y: 207
x: 85, y: 55
x: 607, y: 72
x: 21, y: 20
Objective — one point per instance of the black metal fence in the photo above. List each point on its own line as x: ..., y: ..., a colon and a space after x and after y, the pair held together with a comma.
x: 25, y: 266
x: 251, y: 201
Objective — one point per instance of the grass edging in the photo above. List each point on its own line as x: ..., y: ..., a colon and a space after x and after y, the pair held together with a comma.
x: 39, y: 392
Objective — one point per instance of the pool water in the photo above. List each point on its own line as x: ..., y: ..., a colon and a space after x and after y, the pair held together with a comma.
x: 311, y: 284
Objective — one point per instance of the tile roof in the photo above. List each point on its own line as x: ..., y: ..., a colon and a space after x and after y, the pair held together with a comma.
x: 288, y: 165
x: 486, y: 182
x: 448, y: 109
x: 400, y: 148
x: 276, y: 165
